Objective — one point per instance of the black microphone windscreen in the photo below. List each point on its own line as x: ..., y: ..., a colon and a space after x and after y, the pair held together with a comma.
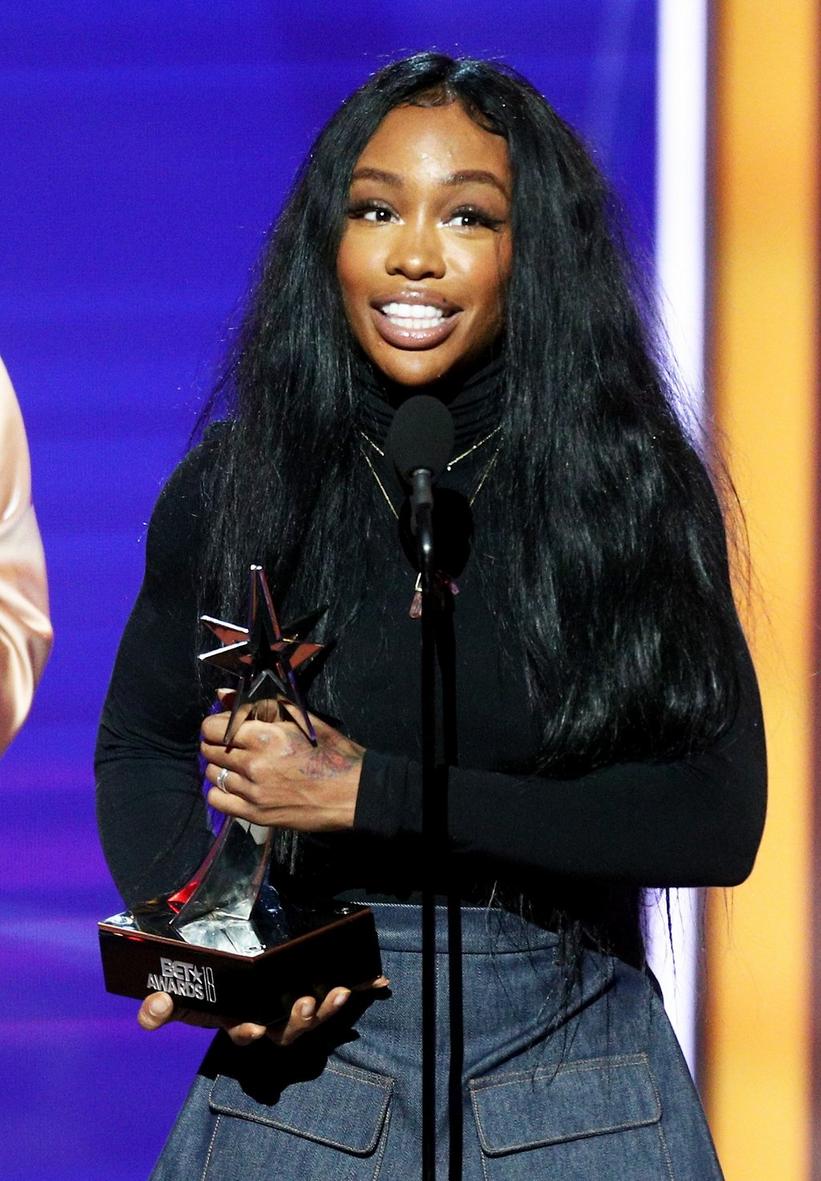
x: 420, y: 436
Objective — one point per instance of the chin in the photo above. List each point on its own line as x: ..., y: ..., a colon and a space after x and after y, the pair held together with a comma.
x: 417, y: 379
x: 411, y: 373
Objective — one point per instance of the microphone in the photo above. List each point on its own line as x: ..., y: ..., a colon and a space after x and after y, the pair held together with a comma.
x: 419, y: 443
x: 420, y: 436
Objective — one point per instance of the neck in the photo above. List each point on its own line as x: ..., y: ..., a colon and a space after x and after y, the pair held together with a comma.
x: 473, y: 400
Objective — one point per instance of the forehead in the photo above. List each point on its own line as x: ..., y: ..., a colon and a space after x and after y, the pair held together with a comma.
x: 415, y: 141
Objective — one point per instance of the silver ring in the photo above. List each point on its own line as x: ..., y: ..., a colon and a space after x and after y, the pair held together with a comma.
x: 223, y: 775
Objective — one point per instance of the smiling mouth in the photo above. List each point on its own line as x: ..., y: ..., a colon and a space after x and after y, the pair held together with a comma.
x: 414, y: 325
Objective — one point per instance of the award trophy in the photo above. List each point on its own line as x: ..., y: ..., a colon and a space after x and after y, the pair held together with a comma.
x: 227, y: 943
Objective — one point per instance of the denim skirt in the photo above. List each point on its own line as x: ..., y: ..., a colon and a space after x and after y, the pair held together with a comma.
x: 571, y: 1082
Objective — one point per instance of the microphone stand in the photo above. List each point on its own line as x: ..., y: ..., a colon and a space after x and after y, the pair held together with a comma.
x: 419, y: 442
x: 422, y: 527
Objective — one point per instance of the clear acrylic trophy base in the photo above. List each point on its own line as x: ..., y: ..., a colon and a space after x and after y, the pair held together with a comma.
x: 334, y: 947
x: 229, y: 946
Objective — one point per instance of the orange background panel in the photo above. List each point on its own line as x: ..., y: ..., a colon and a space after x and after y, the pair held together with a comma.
x: 763, y: 363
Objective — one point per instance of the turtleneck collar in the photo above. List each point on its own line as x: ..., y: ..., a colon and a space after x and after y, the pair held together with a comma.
x: 473, y: 402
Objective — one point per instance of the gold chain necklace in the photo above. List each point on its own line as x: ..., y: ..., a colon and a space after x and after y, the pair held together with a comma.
x: 453, y: 462
x: 443, y: 580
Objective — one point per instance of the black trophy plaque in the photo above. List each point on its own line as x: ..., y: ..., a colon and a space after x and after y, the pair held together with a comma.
x: 227, y: 943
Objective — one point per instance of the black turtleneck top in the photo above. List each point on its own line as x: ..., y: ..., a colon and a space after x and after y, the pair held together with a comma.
x: 583, y: 844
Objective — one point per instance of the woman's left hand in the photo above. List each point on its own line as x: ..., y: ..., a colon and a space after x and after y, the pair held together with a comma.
x: 274, y: 776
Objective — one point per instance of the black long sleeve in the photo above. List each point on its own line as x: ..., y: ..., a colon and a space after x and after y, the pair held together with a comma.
x: 150, y: 807
x: 692, y: 821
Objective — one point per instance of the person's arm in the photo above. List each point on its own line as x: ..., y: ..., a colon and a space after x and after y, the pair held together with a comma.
x: 150, y: 806
x: 151, y: 813
x: 25, y: 630
x: 692, y: 822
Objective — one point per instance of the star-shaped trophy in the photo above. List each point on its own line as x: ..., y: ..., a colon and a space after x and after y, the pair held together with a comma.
x: 225, y: 940
x: 263, y: 658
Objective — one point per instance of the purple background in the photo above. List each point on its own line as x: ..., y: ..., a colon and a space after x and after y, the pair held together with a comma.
x: 145, y: 149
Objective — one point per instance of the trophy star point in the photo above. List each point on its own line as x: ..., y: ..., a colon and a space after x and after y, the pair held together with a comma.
x: 228, y: 633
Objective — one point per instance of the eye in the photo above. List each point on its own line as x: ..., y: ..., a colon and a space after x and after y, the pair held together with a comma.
x: 373, y: 211
x: 468, y: 217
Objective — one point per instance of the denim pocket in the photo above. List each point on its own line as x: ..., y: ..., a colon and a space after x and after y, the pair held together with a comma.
x: 593, y: 1117
x: 329, y: 1127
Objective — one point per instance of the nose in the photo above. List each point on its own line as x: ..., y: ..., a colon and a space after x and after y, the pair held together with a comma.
x: 415, y: 252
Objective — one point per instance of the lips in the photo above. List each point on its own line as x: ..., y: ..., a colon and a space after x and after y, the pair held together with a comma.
x: 414, y: 320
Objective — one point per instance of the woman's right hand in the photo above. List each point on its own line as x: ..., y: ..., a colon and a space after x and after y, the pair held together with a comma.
x: 158, y: 1009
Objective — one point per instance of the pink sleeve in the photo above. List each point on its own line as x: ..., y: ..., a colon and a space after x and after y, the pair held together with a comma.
x: 25, y: 630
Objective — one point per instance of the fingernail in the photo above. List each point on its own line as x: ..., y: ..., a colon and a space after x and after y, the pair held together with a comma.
x: 307, y: 1009
x: 246, y: 1036
x: 340, y: 999
x: 159, y: 1006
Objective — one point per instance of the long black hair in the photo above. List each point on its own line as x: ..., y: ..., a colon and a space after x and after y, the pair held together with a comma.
x: 619, y: 592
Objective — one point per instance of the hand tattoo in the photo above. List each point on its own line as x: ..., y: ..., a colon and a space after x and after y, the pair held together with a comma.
x: 323, y: 763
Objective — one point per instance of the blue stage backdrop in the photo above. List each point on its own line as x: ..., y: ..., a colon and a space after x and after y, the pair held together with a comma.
x: 146, y: 148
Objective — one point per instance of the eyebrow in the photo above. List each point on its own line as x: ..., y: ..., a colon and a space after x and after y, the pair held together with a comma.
x: 465, y: 176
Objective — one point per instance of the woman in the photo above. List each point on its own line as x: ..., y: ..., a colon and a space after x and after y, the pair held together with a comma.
x: 449, y: 234
x: 25, y: 628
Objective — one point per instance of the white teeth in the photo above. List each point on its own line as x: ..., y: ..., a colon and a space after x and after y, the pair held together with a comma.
x: 413, y: 315
x: 416, y: 323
